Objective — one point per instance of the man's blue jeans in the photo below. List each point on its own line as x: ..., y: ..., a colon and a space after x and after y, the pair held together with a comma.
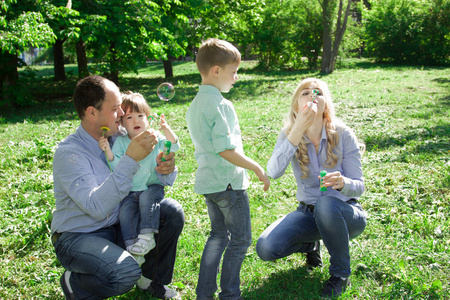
x: 229, y: 212
x: 333, y: 220
x: 100, y: 266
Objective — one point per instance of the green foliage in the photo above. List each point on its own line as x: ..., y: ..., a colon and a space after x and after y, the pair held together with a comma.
x: 22, y: 26
x: 408, y: 31
x: 289, y: 31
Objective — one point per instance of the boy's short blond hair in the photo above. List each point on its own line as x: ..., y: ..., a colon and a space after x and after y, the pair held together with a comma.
x: 215, y: 52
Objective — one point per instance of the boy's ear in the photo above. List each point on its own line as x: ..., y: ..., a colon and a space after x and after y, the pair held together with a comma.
x: 215, y: 70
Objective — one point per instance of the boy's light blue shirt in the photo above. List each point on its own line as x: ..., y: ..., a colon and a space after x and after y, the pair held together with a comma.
x: 147, y: 174
x: 214, y: 128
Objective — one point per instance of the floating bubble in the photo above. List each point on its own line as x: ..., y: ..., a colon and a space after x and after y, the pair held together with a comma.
x: 165, y: 91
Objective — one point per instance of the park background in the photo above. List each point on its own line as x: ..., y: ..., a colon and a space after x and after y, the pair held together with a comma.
x: 387, y: 67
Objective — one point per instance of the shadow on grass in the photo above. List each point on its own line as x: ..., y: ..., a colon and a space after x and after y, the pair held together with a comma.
x: 289, y: 284
x: 430, y: 140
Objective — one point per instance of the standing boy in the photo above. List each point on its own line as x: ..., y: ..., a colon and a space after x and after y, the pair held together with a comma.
x: 221, y: 175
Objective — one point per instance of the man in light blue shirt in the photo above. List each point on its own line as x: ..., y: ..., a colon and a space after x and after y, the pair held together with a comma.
x: 85, y: 230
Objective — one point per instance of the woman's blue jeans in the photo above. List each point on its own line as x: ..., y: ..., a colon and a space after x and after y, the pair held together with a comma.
x: 229, y: 212
x: 100, y: 266
x: 333, y: 220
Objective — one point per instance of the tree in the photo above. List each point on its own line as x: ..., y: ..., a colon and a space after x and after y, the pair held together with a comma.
x: 413, y: 32
x: 61, y: 18
x: 21, y: 26
x: 330, y: 47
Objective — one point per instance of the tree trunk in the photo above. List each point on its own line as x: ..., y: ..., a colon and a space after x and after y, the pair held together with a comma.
x: 330, y: 48
x: 9, y: 76
x: 168, y: 70
x: 82, y: 59
x: 58, y: 52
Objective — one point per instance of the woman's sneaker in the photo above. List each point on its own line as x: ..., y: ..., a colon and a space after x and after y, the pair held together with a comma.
x: 335, y: 286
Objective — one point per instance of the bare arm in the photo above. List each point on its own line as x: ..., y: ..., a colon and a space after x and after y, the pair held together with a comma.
x: 246, y: 162
x: 168, y: 132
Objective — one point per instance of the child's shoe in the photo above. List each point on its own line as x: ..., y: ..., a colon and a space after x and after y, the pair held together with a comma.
x: 145, y: 243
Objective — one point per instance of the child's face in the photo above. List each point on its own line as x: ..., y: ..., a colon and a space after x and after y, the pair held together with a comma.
x: 134, y: 123
x: 227, y: 77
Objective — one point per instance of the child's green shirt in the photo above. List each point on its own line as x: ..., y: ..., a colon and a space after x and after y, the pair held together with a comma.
x: 214, y: 128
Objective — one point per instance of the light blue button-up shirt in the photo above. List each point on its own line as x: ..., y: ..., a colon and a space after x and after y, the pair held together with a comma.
x: 214, y: 128
x: 87, y: 194
x: 349, y: 164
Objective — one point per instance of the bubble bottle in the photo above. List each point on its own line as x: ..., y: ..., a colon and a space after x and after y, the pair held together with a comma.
x: 167, y: 145
x: 322, y: 187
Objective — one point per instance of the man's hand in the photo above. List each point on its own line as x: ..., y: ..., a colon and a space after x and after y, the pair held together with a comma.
x: 165, y: 167
x: 142, y: 145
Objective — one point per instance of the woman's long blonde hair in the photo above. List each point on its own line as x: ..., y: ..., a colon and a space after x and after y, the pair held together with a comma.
x: 329, y: 119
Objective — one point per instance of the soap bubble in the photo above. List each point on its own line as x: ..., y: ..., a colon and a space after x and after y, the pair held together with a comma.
x: 165, y: 91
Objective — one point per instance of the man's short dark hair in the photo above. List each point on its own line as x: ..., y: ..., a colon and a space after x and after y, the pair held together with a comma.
x: 90, y: 91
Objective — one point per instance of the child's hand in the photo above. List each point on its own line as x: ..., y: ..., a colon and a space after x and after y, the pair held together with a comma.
x: 104, y: 144
x: 163, y: 123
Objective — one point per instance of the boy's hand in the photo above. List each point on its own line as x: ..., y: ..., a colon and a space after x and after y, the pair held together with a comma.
x: 262, y: 175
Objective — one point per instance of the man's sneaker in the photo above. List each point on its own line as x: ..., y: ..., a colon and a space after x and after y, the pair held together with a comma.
x: 161, y: 291
x: 65, y: 285
x: 335, y: 286
x: 313, y: 258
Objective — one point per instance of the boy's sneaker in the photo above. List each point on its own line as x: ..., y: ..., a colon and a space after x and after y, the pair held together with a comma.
x: 145, y: 243
x: 160, y: 291
x: 335, y: 286
x: 65, y: 285
x: 314, y: 258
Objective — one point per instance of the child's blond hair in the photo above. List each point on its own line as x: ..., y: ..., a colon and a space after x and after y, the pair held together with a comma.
x: 215, y: 52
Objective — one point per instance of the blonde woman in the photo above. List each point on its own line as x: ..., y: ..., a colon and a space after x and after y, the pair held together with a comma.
x: 314, y: 140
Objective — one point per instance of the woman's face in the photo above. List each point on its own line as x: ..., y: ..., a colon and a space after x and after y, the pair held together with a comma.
x: 311, y: 95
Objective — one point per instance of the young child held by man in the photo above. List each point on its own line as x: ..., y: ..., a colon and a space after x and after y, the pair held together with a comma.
x: 221, y: 175
x: 140, y: 211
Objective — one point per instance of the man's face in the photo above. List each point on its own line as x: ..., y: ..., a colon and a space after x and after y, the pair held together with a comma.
x: 110, y: 113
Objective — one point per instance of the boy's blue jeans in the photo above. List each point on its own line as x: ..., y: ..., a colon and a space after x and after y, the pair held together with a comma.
x: 333, y: 220
x: 140, y: 213
x: 100, y: 266
x: 229, y: 212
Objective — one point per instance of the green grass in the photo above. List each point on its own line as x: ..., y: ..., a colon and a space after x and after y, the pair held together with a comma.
x: 401, y: 113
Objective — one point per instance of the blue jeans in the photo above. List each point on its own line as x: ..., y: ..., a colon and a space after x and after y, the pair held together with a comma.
x: 229, y: 213
x: 333, y: 220
x: 140, y: 213
x: 100, y: 266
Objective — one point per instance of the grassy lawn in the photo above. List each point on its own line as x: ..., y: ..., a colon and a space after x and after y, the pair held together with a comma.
x: 401, y: 113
